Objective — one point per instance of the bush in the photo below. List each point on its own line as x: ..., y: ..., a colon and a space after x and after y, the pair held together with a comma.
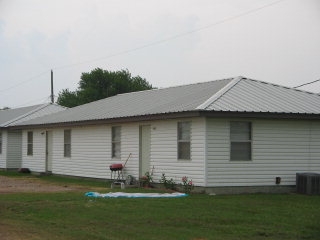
x: 187, y: 184
x: 146, y: 180
x: 168, y: 184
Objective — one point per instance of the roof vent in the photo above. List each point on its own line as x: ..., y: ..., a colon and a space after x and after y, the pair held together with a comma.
x: 308, y: 183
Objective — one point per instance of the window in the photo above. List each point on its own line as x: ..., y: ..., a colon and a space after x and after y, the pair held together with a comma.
x: 116, y: 142
x: 30, y: 144
x: 240, y: 141
x: 184, y: 133
x: 67, y: 143
x: 0, y: 142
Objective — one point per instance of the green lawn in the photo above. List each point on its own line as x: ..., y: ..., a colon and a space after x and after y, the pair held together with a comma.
x: 73, y: 216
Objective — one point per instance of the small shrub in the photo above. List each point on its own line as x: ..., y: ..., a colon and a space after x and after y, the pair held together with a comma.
x: 168, y: 184
x: 187, y: 184
x: 146, y: 180
x: 24, y: 170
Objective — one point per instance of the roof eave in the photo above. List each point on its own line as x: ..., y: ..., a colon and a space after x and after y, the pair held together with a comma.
x: 264, y: 115
x: 142, y: 118
x: 176, y: 115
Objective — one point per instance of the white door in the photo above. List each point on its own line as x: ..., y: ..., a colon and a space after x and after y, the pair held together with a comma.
x: 49, y: 151
x: 145, y: 138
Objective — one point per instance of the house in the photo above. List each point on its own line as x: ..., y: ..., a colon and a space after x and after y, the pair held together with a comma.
x: 11, y: 139
x: 235, y: 133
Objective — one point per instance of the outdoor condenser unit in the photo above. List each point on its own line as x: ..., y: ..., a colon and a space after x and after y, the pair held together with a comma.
x: 308, y: 183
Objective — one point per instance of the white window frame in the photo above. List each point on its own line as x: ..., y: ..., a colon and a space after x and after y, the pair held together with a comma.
x: 29, y: 143
x: 241, y: 137
x: 184, y: 140
x: 67, y: 143
x: 116, y: 142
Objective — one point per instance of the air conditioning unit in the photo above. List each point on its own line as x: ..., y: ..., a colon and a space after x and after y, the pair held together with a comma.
x: 308, y: 183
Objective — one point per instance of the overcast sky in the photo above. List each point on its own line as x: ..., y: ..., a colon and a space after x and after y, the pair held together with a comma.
x: 168, y: 42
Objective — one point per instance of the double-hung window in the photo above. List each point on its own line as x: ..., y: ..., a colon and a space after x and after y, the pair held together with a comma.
x: 184, y: 140
x: 30, y: 144
x: 116, y: 142
x: 67, y: 143
x: 240, y: 141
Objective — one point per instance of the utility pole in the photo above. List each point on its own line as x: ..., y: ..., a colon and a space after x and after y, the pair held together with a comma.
x: 52, y: 96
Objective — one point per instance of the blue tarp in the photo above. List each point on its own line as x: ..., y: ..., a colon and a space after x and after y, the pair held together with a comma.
x: 135, y: 195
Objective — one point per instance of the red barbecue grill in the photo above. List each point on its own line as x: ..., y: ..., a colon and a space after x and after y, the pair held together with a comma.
x: 116, y: 170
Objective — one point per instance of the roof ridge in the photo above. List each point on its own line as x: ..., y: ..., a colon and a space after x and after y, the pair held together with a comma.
x: 149, y: 90
x: 282, y: 86
x: 220, y: 93
x: 19, y: 108
x: 176, y: 86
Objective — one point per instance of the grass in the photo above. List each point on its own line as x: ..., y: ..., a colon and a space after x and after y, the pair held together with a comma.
x: 72, y: 216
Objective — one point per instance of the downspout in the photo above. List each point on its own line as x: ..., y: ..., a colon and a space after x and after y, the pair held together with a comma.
x: 205, y: 153
x: 309, y: 146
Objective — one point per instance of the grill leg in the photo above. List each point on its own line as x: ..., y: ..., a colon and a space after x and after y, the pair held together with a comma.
x: 118, y: 183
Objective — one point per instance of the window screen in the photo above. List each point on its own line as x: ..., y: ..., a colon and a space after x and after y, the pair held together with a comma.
x: 240, y: 141
x: 184, y: 136
x: 67, y: 143
x: 116, y: 142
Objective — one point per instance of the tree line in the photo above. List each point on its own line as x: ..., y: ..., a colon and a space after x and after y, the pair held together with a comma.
x: 99, y: 84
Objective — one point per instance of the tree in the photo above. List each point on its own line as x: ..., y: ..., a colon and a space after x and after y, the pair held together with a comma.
x: 99, y: 84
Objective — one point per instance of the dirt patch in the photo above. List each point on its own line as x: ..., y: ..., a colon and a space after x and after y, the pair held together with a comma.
x: 8, y: 232
x: 28, y: 184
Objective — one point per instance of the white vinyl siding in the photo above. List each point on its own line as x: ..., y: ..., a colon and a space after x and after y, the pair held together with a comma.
x: 67, y: 143
x: 164, y: 151
x: 3, y: 156
x: 280, y: 148
x: 0, y: 142
x: 92, y: 150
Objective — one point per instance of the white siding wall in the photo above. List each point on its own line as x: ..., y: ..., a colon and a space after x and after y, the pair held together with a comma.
x: 130, y: 144
x: 91, y: 151
x: 37, y: 161
x: 3, y: 155
x: 164, y: 151
x: 280, y: 148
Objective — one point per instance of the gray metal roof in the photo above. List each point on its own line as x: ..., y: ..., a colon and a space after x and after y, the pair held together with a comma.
x: 230, y: 95
x: 11, y: 117
x: 156, y: 101
x: 247, y: 95
x: 6, y: 116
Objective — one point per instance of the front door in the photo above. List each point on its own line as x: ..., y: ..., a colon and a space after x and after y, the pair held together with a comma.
x: 49, y: 151
x: 145, y: 138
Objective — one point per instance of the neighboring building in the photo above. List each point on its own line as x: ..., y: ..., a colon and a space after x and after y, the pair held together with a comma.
x: 11, y: 139
x: 234, y: 132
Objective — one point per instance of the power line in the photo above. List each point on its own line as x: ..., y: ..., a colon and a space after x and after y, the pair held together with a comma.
x: 24, y: 82
x: 251, y: 11
x: 42, y: 100
x: 307, y: 83
x: 172, y: 37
